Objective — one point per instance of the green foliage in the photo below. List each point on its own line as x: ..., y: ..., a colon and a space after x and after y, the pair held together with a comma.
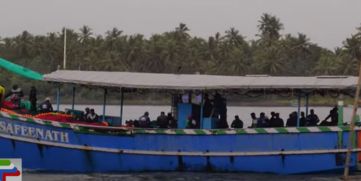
x: 177, y: 51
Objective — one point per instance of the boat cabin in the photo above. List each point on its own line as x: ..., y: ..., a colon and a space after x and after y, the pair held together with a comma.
x: 182, y: 86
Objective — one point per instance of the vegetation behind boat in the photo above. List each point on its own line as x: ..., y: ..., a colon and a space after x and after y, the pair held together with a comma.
x: 176, y: 51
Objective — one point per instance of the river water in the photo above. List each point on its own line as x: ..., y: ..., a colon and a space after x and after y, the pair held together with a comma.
x: 135, y: 111
x: 180, y: 176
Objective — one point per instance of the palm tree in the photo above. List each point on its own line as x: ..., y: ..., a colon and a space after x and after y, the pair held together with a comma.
x: 270, y: 27
x: 85, y: 33
x: 234, y: 38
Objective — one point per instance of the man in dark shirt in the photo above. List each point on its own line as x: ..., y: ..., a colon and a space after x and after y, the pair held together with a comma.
x: 277, y: 122
x: 237, y: 123
x: 292, y: 120
x: 262, y: 121
x: 303, y: 119
x: 162, y: 120
x: 312, y: 118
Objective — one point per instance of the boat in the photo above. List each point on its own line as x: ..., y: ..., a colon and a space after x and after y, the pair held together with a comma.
x: 65, y: 146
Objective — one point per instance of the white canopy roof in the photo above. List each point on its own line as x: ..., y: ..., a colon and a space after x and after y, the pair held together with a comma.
x: 197, y: 82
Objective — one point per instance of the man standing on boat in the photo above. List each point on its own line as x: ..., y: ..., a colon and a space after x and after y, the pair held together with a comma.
x: 32, y: 99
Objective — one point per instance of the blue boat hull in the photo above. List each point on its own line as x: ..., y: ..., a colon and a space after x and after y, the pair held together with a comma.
x: 76, y: 152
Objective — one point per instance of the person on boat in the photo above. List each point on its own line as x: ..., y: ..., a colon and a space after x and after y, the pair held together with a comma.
x: 312, y: 119
x: 303, y: 120
x: 198, y: 98
x: 254, y: 120
x: 223, y: 114
x: 292, y: 120
x: 144, y: 121
x: 207, y: 106
x: 33, y: 99
x: 218, y: 103
x: 2, y: 94
x: 277, y: 122
x: 92, y: 116
x: 272, y: 119
x: 191, y: 123
x: 129, y: 123
x: 171, y: 121
x: 186, y: 97
x: 15, y: 96
x: 46, y: 106
x: 237, y: 123
x: 334, y: 118
x: 262, y: 121
x: 85, y: 114
x: 162, y: 120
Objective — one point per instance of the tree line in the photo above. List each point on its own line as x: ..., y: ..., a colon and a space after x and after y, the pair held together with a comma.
x: 176, y: 51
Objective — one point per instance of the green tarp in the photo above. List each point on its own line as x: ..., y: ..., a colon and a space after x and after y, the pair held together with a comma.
x: 20, y: 70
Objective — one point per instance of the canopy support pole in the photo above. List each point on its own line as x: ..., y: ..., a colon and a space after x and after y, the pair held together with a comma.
x: 73, y: 99
x: 58, y: 98
x: 201, y: 116
x: 307, y: 95
x: 298, y: 109
x: 104, y: 102
x: 121, y: 105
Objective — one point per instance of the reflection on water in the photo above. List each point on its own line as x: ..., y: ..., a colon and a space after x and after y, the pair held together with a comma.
x: 180, y: 176
x: 135, y: 111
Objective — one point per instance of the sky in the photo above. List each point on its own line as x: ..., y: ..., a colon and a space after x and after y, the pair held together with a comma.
x: 326, y: 22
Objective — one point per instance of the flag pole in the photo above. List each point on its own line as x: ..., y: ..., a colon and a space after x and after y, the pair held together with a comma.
x: 64, y: 56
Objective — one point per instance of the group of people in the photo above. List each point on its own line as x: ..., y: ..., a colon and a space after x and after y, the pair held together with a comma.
x: 15, y: 98
x: 162, y: 121
x: 275, y: 120
x: 89, y: 115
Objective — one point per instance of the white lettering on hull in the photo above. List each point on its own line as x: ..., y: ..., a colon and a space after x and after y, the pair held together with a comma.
x: 33, y: 132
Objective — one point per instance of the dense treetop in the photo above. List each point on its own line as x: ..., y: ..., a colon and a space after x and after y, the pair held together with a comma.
x: 176, y: 51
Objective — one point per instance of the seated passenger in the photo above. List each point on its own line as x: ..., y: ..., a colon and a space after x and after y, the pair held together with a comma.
x: 191, y: 123
x: 277, y: 122
x: 334, y: 118
x: 129, y: 123
x: 144, y: 121
x: 237, y: 123
x: 303, y: 119
x: 92, y: 116
x: 262, y: 121
x: 312, y: 119
x: 171, y: 121
x: 162, y: 120
x: 292, y: 120
x: 254, y: 120
x: 46, y: 106
x: 85, y: 114
x: 272, y: 119
x: 15, y: 91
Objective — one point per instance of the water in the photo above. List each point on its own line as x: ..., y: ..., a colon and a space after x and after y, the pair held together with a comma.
x: 180, y: 176
x: 135, y: 111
